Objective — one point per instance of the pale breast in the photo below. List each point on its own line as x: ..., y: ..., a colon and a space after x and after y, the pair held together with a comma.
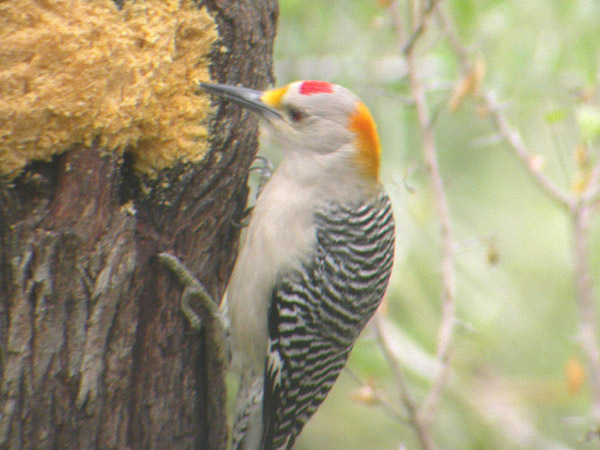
x: 281, y: 234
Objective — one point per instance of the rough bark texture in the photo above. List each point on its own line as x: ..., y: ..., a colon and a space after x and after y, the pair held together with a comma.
x: 94, y: 352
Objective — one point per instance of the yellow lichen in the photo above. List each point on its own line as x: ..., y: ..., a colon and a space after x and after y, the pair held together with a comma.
x: 72, y: 71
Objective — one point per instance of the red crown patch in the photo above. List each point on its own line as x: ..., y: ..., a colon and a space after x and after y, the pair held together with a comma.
x: 316, y: 87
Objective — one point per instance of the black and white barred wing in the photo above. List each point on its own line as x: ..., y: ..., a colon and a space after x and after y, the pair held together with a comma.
x: 318, y: 311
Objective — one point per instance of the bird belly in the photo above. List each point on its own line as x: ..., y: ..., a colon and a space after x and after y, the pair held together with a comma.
x: 280, y: 236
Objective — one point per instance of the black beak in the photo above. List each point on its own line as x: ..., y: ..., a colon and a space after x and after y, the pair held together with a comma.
x: 247, y: 98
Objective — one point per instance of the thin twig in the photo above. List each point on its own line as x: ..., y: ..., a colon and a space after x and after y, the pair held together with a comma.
x: 421, y: 27
x: 586, y: 303
x: 423, y: 431
x: 427, y: 410
x: 499, y: 120
x: 445, y: 334
x: 397, y: 21
x: 593, y: 196
x: 382, y: 400
x: 513, y: 138
x: 450, y: 32
x: 409, y: 402
x: 592, y: 193
x: 579, y: 208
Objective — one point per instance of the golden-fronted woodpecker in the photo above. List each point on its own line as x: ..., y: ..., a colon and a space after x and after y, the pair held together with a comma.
x: 316, y: 259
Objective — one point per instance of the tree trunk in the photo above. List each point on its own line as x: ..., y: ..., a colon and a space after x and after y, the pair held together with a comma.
x: 94, y: 352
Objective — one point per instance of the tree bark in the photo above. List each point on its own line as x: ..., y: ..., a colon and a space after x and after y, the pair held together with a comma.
x: 94, y: 352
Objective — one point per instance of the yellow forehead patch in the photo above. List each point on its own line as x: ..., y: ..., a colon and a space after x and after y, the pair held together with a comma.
x: 273, y: 97
x: 367, y: 139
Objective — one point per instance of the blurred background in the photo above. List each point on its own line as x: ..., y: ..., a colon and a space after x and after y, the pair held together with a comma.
x: 518, y: 377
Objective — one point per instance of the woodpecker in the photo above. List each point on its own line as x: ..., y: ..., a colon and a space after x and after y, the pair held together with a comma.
x: 316, y: 259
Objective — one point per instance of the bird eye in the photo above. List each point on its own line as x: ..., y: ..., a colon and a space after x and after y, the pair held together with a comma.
x: 295, y: 114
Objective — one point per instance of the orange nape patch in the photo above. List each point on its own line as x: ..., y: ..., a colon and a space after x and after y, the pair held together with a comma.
x: 273, y: 97
x: 367, y: 139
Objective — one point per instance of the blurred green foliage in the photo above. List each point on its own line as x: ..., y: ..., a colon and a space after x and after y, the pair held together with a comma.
x: 517, y: 313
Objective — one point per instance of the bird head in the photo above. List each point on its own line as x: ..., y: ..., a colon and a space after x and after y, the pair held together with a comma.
x: 314, y: 118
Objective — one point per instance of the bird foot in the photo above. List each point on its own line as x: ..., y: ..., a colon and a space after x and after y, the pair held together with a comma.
x: 194, y: 292
x: 264, y: 166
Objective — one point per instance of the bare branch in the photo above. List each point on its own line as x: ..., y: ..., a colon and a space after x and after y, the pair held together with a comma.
x: 510, y: 135
x: 450, y: 33
x: 427, y: 410
x: 446, y: 332
x: 586, y: 303
x: 513, y: 138
x: 592, y: 194
x: 389, y: 408
x: 421, y: 27
x: 580, y: 209
x: 422, y: 429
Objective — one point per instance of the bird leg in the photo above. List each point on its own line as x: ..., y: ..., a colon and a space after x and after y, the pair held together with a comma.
x: 194, y: 292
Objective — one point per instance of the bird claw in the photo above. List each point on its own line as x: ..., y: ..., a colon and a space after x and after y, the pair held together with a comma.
x: 245, y: 219
x: 265, y: 168
x: 193, y: 289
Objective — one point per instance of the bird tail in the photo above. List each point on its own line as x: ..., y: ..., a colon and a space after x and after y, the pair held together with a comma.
x: 247, y: 425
